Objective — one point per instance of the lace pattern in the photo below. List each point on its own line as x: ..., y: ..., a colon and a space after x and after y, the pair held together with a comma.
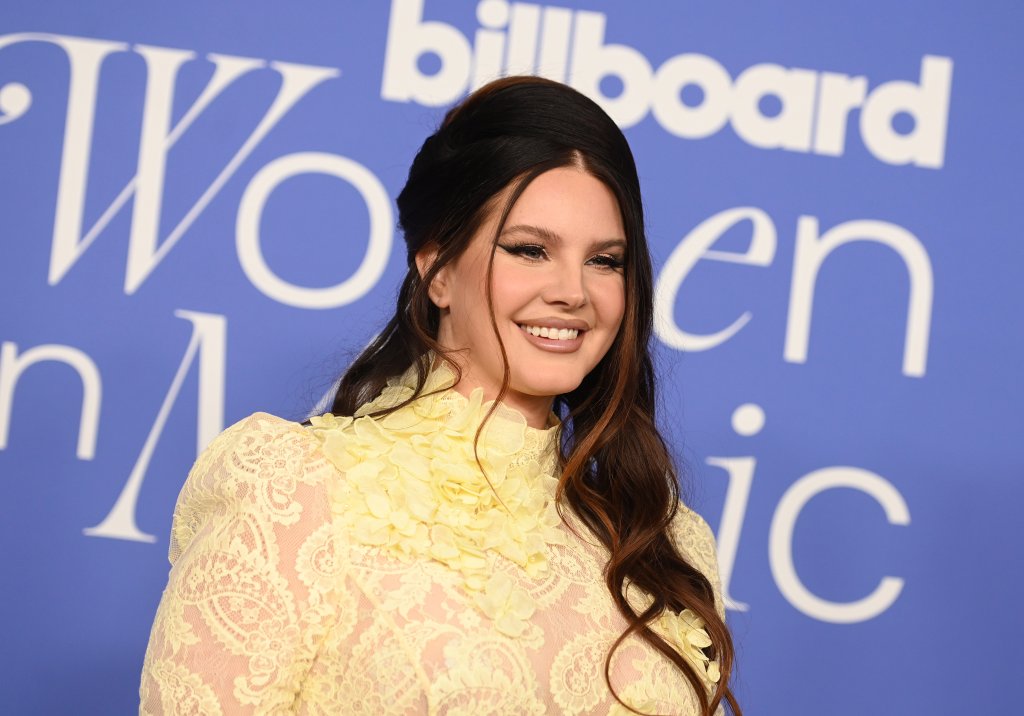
x: 365, y: 566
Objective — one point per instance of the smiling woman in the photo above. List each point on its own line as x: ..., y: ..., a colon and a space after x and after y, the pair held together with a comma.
x: 488, y: 520
x: 556, y: 292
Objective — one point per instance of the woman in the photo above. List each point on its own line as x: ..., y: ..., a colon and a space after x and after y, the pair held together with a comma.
x: 488, y: 520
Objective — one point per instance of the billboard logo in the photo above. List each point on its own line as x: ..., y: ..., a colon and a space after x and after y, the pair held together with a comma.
x: 813, y: 108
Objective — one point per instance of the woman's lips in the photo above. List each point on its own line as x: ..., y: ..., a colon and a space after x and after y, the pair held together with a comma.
x: 554, y: 345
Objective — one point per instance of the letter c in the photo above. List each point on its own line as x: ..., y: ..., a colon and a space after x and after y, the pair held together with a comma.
x: 780, y: 543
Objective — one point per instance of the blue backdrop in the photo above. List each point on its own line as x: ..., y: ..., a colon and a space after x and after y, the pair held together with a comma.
x: 197, y: 223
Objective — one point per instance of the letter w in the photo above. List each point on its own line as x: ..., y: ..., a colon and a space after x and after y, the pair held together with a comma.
x: 157, y: 137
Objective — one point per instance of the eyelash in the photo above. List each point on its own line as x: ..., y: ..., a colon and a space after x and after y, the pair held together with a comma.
x: 606, y: 260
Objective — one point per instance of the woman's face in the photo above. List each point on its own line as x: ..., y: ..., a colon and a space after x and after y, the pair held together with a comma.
x: 558, y: 292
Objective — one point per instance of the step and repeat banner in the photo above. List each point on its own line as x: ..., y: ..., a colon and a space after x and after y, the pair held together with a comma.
x: 197, y: 222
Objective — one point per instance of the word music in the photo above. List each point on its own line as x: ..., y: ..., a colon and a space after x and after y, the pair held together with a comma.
x: 207, y: 349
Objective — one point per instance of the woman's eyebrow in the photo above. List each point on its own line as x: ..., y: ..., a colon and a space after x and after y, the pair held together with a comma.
x: 552, y: 237
x: 609, y: 244
x: 539, y: 232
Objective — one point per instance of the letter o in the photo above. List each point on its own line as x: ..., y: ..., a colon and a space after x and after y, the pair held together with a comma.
x: 692, y: 122
x: 250, y: 211
x: 780, y: 543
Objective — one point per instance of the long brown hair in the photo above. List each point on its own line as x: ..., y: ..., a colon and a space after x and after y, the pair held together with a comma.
x: 616, y: 473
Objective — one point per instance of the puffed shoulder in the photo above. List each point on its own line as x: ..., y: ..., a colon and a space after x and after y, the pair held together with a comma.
x: 255, y: 575
x: 695, y: 540
x: 262, y: 462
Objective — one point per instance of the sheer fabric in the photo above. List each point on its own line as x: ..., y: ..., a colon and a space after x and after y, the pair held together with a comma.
x: 368, y: 566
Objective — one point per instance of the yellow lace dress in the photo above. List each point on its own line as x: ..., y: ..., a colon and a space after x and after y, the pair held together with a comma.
x: 367, y: 566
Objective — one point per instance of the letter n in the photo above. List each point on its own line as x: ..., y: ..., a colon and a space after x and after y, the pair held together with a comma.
x: 12, y: 365
x: 811, y: 251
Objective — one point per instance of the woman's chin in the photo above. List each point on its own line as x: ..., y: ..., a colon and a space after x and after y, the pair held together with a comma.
x: 546, y: 388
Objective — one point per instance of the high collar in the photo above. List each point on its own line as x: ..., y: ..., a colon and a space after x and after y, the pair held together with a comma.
x: 505, y: 431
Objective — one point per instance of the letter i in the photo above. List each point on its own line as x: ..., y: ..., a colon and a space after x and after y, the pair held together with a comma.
x: 556, y: 33
x: 489, y: 49
x: 523, y: 29
x: 747, y: 420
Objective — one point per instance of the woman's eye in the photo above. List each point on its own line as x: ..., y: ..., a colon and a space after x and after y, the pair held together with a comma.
x: 529, y: 251
x: 607, y: 261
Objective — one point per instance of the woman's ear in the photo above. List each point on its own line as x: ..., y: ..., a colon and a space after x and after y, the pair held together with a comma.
x: 438, y: 288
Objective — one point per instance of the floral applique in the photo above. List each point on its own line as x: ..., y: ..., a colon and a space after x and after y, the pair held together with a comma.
x: 685, y: 631
x: 413, y: 487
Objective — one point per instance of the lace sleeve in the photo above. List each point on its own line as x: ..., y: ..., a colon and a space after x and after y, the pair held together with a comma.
x: 250, y: 595
x: 696, y: 542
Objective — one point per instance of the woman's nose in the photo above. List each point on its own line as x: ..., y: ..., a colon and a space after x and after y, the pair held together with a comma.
x: 566, y: 287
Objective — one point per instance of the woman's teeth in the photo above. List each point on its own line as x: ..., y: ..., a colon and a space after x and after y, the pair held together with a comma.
x: 559, y: 334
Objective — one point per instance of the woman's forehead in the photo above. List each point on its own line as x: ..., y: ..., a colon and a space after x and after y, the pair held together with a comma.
x: 567, y: 203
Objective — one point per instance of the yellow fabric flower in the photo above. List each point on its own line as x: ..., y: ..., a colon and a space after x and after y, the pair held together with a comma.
x: 685, y: 631
x: 505, y: 603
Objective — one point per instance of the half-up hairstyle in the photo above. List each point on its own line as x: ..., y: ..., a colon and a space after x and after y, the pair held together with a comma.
x: 616, y: 472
